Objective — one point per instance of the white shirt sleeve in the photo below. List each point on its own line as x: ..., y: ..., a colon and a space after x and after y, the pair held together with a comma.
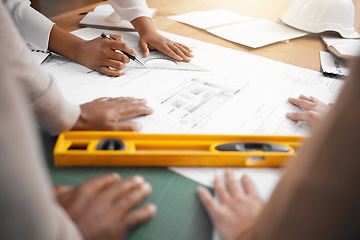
x: 130, y: 9
x: 49, y: 105
x: 33, y: 26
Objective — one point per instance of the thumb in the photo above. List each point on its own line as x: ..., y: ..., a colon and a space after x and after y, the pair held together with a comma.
x: 144, y: 48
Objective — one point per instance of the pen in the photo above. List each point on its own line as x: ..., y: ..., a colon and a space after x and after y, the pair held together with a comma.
x: 105, y: 35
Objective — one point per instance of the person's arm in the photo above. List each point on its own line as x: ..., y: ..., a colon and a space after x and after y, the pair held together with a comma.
x: 98, y: 54
x: 27, y: 209
x: 136, y: 11
x: 318, y: 196
x: 52, y: 109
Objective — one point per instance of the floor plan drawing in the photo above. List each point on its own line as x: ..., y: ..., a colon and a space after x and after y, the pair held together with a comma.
x: 247, y: 95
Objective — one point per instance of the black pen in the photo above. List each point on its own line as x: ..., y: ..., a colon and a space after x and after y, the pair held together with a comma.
x: 105, y: 35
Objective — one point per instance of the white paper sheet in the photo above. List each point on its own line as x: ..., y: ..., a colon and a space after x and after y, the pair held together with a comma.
x: 248, y: 31
x: 39, y: 56
x: 100, y: 18
x: 265, y: 179
x: 333, y: 66
x: 236, y: 93
x: 345, y: 47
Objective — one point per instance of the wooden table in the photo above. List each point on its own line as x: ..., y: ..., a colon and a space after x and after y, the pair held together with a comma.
x: 301, y: 52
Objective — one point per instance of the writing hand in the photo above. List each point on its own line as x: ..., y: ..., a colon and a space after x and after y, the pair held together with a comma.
x: 100, y: 55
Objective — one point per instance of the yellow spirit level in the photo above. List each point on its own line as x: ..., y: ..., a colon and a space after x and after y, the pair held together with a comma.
x: 78, y: 148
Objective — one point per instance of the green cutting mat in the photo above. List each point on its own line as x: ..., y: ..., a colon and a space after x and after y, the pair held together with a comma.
x: 180, y: 214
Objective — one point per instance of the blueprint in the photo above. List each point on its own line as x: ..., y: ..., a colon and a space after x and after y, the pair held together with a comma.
x: 221, y: 91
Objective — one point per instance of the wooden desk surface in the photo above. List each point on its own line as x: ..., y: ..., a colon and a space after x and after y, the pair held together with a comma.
x: 301, y: 52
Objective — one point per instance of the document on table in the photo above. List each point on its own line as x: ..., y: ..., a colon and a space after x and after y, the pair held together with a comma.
x: 248, y: 31
x: 104, y: 16
x: 247, y: 95
x: 342, y: 48
x: 39, y: 56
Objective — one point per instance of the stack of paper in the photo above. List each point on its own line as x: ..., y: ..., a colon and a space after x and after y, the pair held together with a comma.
x: 342, y: 48
x: 248, y: 31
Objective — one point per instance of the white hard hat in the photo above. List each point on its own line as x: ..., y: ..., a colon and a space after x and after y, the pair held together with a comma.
x: 322, y: 15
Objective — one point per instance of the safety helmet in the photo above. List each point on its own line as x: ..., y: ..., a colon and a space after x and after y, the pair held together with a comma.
x: 322, y: 15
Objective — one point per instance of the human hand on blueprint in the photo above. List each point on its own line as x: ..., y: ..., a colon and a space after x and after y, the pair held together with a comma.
x: 238, y: 207
x: 150, y: 39
x: 155, y: 41
x: 102, y: 207
x: 100, y: 55
x: 313, y: 108
x: 112, y: 114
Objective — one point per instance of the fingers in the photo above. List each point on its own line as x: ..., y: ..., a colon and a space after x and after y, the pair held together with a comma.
x: 233, y: 185
x: 133, y: 196
x: 111, y: 72
x: 116, y: 45
x: 187, y: 50
x: 140, y: 215
x: 116, y: 65
x: 249, y: 186
x: 164, y: 48
x: 131, y: 108
x: 211, y: 205
x: 117, y: 56
x: 129, y: 126
x: 134, y: 110
x: 118, y: 37
x: 179, y: 51
x: 144, y: 48
x: 302, y: 103
x: 117, y: 189
x: 308, y: 116
x: 303, y: 97
x: 94, y: 185
x: 184, y: 49
x: 221, y: 190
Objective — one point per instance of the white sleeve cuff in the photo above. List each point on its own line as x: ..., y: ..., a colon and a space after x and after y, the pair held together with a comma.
x: 34, y: 27
x: 130, y: 9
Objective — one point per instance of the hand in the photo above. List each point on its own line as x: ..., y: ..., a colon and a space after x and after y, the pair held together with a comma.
x: 151, y: 39
x: 101, y: 207
x: 100, y: 55
x: 155, y: 41
x: 112, y: 114
x: 238, y: 207
x: 314, y: 109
